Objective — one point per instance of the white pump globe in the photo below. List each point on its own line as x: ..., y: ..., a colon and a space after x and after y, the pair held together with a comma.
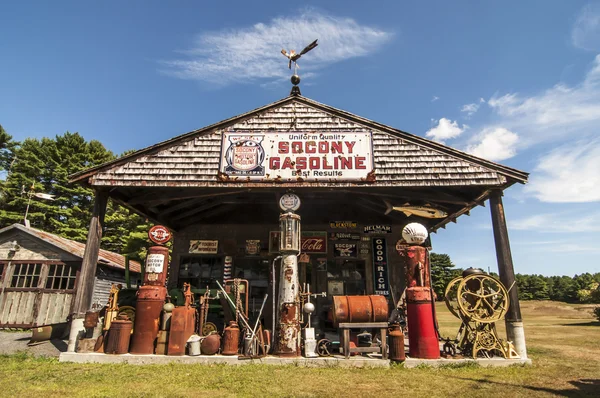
x: 414, y: 233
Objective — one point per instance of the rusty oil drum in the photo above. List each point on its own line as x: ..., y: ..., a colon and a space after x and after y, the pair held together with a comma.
x: 396, y: 343
x: 148, y: 307
x: 119, y: 333
x: 231, y: 339
x: 359, y: 309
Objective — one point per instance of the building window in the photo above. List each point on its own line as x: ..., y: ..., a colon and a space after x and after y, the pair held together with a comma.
x: 1, y: 272
x: 61, y: 277
x: 26, y: 276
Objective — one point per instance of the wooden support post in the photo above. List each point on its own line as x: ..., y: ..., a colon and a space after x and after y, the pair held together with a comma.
x: 85, y: 283
x: 514, y: 322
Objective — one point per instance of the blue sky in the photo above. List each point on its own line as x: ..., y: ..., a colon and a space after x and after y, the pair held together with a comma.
x: 515, y: 82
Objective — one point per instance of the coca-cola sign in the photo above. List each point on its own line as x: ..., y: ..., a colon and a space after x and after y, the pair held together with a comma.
x: 314, y: 242
x: 311, y: 242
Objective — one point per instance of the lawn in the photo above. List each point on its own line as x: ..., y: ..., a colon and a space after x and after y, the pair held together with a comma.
x: 563, y: 342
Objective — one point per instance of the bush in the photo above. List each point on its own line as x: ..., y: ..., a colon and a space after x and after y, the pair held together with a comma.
x: 597, y: 313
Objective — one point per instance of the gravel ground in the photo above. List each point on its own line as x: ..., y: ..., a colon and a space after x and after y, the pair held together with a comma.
x: 14, y: 342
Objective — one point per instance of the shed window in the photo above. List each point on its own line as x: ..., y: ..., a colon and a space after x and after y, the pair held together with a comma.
x: 1, y: 272
x: 26, y: 276
x: 61, y: 277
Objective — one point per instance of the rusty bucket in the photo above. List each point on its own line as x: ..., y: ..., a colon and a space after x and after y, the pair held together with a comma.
x: 119, y: 334
x: 354, y: 309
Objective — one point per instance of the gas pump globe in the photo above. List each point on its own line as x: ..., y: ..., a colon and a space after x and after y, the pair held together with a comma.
x: 289, y: 225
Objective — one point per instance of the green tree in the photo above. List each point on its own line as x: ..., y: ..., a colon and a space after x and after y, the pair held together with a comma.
x: 442, y: 272
x: 43, y: 165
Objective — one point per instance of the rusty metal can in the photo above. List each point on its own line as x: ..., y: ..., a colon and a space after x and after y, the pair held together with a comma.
x: 119, y: 334
x: 396, y: 343
x: 210, y: 344
x: 231, y: 339
x: 91, y: 320
x: 362, y: 309
x: 148, y: 307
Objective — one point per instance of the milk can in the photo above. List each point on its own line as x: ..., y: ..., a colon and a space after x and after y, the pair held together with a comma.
x: 396, y: 341
x: 231, y: 339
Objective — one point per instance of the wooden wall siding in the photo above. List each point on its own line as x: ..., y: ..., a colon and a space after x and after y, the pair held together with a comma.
x: 30, y: 250
x: 397, y: 162
x: 18, y: 308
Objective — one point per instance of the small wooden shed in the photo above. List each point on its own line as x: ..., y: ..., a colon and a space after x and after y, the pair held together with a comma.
x: 38, y: 276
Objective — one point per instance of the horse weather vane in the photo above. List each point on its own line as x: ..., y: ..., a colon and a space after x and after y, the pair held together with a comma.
x: 292, y: 56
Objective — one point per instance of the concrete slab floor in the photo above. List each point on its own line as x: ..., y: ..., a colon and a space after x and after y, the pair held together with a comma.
x: 333, y: 361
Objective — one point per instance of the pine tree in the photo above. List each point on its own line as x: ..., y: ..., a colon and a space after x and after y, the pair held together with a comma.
x: 442, y: 273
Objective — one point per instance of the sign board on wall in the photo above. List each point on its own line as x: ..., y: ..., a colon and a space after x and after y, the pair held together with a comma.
x: 378, y: 229
x: 380, y: 267
x: 310, y: 242
x: 308, y: 156
x: 344, y: 250
x: 204, y: 246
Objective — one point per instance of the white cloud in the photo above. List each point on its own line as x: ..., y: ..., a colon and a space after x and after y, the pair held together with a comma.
x: 586, y: 30
x: 554, y: 114
x: 246, y: 54
x: 435, y: 98
x: 472, y: 108
x: 570, y: 173
x: 566, y: 222
x: 494, y: 143
x: 445, y: 129
x: 559, y: 246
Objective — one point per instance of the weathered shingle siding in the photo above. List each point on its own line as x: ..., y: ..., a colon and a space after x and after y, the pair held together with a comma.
x: 397, y: 162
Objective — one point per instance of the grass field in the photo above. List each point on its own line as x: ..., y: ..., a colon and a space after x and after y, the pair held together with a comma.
x: 563, y: 342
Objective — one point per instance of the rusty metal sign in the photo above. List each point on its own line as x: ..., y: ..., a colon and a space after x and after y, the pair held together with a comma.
x: 204, y: 246
x: 297, y: 156
x: 345, y: 250
x: 159, y: 234
x: 252, y: 247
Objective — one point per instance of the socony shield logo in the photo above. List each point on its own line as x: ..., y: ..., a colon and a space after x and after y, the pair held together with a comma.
x: 245, y: 155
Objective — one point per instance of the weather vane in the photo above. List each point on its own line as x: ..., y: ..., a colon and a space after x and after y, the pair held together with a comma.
x: 293, y: 56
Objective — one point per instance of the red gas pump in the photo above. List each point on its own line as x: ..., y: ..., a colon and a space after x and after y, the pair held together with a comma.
x: 151, y: 296
x: 423, y: 339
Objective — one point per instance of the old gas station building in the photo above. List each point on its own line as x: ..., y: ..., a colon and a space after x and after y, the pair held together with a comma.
x: 217, y: 189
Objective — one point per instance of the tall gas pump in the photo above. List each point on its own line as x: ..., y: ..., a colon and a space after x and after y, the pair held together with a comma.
x: 288, y: 336
x: 151, y: 295
x: 423, y: 340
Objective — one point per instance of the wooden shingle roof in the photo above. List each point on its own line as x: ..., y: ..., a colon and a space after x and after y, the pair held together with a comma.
x: 401, y: 159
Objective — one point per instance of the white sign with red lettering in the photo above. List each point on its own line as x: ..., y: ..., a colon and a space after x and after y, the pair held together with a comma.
x: 297, y: 156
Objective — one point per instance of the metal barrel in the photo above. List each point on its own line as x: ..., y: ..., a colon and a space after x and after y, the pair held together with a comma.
x: 148, y: 307
x: 359, y: 309
x: 119, y: 334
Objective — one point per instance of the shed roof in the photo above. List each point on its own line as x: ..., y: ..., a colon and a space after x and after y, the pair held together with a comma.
x: 178, y: 182
x: 110, y: 259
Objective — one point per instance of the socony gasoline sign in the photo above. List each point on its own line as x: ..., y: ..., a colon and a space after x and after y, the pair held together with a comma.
x: 297, y: 156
